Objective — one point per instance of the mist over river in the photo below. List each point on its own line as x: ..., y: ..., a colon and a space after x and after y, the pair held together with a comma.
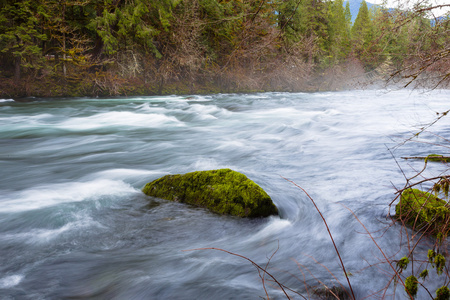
x: 74, y: 223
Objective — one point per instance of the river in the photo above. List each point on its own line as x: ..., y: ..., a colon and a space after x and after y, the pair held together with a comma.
x: 74, y: 223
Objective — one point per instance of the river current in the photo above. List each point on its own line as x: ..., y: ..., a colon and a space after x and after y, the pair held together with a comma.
x: 74, y: 223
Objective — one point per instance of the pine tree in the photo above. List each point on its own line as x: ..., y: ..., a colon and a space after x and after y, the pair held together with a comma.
x: 362, y: 34
x: 64, y: 23
x: 124, y: 25
x: 348, y: 18
x: 289, y: 19
x: 20, y: 36
x: 306, y: 21
x: 339, y: 31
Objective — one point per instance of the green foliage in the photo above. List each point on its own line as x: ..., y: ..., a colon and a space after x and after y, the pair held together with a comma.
x: 363, y: 34
x: 133, y: 25
x: 306, y: 20
x: 361, y: 29
x: 339, y: 30
x: 194, y: 39
x: 19, y: 34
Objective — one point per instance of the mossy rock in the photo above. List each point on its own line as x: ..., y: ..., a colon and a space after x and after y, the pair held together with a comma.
x: 423, y: 211
x: 222, y: 191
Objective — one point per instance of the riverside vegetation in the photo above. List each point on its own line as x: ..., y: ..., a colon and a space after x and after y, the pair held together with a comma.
x: 137, y: 47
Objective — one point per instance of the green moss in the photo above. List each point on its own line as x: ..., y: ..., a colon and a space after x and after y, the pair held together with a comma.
x: 422, y: 210
x: 442, y: 293
x: 431, y: 255
x: 403, y: 263
x: 223, y: 191
x: 411, y: 285
x: 439, y: 262
x: 424, y: 274
x: 438, y: 157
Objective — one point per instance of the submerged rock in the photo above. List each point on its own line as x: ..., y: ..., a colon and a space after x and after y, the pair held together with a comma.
x: 335, y: 292
x: 423, y: 211
x: 222, y: 191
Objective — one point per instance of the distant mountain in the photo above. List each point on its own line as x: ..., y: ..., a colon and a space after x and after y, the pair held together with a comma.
x: 354, y: 7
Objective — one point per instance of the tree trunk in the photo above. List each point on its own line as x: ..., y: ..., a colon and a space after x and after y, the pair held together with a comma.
x: 17, y: 69
x: 64, y: 42
x: 64, y: 55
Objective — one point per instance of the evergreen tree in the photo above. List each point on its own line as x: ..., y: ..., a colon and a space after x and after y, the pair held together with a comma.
x: 289, y: 19
x: 20, y: 36
x: 124, y: 25
x: 362, y: 34
x: 306, y: 21
x: 339, y: 31
x: 64, y: 23
x: 348, y: 18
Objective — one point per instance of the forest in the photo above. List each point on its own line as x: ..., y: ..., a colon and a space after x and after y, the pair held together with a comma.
x: 137, y: 47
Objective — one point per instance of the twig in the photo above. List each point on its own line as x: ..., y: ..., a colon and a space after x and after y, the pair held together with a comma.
x: 422, y: 181
x: 265, y: 270
x: 329, y: 233
x: 379, y: 248
x: 282, y: 286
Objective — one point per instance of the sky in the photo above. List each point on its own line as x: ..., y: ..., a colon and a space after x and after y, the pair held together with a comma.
x: 409, y: 3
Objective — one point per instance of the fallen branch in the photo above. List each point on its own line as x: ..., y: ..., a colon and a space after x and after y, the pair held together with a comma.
x: 432, y: 158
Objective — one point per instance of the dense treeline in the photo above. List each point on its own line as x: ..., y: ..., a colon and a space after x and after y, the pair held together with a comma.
x: 111, y: 47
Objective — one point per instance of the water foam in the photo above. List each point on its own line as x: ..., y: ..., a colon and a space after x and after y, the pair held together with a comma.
x: 121, y: 173
x: 120, y: 119
x: 27, y: 121
x: 273, y: 228
x: 10, y: 281
x: 206, y: 164
x: 208, y: 109
x: 6, y: 100
x: 82, y: 222
x: 50, y: 195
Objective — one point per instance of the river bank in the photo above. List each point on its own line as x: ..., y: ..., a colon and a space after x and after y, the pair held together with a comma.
x: 84, y: 83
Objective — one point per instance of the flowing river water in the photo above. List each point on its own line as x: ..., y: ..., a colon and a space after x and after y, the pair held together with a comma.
x: 74, y: 223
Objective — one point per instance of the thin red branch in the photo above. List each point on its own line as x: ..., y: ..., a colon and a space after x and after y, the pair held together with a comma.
x: 379, y: 248
x: 282, y: 286
x: 329, y: 233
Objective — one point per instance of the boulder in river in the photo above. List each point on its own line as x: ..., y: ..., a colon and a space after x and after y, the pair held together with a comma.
x: 223, y: 191
x: 422, y: 210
